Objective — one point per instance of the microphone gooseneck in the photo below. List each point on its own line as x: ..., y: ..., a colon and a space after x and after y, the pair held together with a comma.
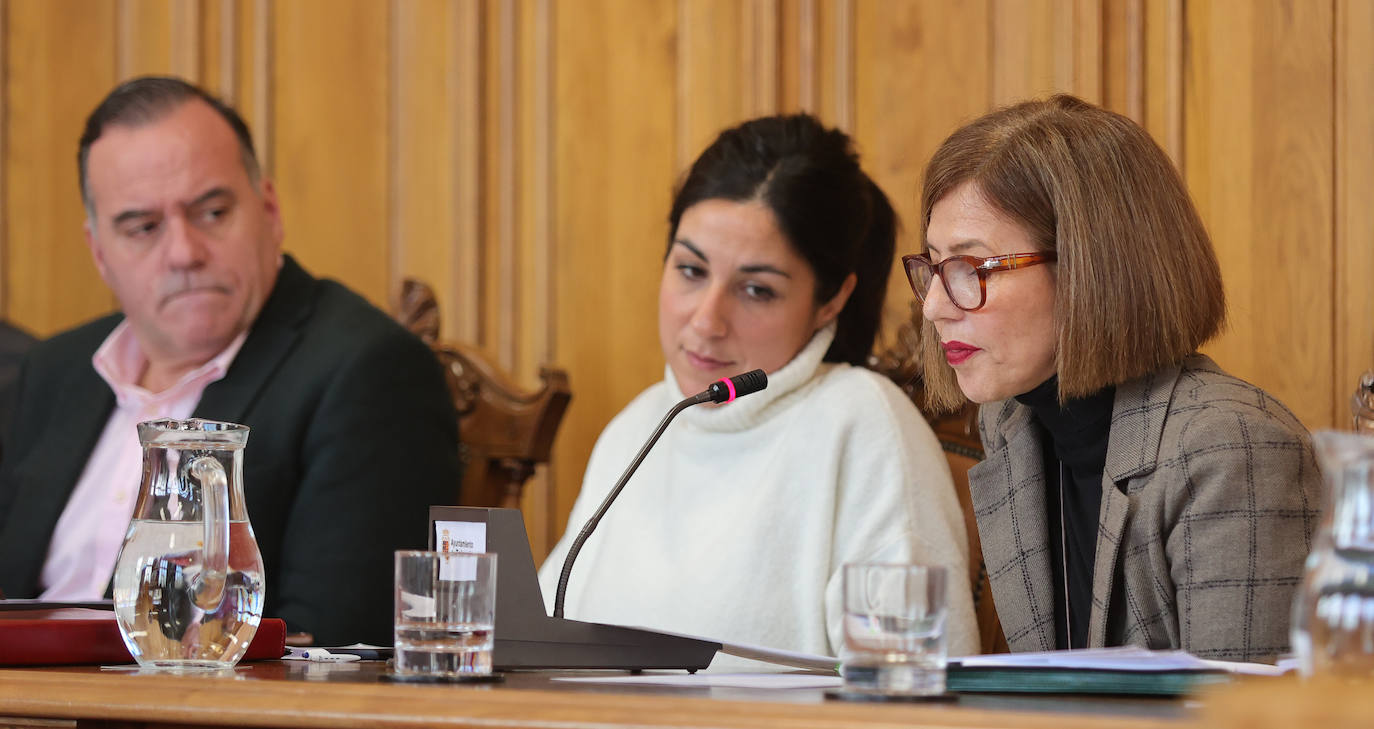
x: 721, y: 391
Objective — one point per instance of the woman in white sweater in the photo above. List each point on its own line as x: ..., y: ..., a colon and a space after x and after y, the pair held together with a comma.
x: 737, y: 524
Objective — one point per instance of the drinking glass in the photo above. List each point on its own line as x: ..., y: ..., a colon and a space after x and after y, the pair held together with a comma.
x: 894, y: 629
x: 445, y: 614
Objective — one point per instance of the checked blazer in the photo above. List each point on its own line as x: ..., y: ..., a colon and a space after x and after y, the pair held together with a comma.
x: 1210, y: 494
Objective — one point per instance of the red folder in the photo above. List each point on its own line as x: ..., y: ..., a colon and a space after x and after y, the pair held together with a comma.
x: 68, y: 636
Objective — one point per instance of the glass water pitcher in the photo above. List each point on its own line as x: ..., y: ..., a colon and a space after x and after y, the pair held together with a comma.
x: 188, y: 584
x: 1332, y: 628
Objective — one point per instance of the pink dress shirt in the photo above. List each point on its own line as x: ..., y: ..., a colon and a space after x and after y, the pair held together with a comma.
x: 86, y: 542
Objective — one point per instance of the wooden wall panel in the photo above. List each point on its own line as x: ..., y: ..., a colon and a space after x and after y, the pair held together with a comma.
x: 835, y: 50
x: 1123, y: 58
x: 1354, y: 168
x: 219, y: 47
x: 330, y: 123
x: 464, y: 118
x: 713, y: 83
x: 796, y: 55
x: 533, y: 136
x: 51, y: 283
x: 1163, y: 70
x: 900, y: 75
x: 186, y: 45
x: 1023, y: 49
x: 422, y: 239
x: 534, y: 230
x: 143, y: 44
x: 1080, y: 63
x: 1041, y: 47
x: 520, y: 154
x: 253, y: 76
x: 760, y: 25
x: 1258, y: 157
x: 816, y: 58
x: 498, y: 108
x: 613, y: 164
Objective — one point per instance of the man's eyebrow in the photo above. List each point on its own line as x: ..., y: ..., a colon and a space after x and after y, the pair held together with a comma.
x: 204, y: 197
x: 132, y: 214
x: 212, y: 193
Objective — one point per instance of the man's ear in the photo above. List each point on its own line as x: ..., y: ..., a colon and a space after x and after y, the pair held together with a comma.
x: 97, y: 251
x: 832, y: 308
x: 273, y: 210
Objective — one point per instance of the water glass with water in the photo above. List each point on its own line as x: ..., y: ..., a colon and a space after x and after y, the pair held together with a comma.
x: 894, y: 629
x: 445, y: 614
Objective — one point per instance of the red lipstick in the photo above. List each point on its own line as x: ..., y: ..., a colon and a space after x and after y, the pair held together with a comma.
x: 957, y: 352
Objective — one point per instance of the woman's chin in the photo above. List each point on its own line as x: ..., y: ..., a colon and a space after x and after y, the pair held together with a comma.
x: 977, y: 391
x: 690, y: 383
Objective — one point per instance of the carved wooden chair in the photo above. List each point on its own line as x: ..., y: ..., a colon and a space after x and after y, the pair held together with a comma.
x: 958, y: 436
x: 504, y: 429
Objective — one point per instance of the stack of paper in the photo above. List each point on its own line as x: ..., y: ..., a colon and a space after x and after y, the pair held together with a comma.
x: 1121, y: 670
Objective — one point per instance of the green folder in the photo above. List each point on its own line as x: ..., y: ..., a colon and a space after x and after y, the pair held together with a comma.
x: 1054, y: 680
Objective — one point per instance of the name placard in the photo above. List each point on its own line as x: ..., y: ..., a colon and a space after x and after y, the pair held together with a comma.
x: 459, y: 537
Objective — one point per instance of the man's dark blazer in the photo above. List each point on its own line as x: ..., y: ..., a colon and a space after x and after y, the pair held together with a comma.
x: 353, y: 437
x: 14, y: 344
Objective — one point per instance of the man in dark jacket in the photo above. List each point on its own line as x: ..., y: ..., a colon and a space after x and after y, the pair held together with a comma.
x: 353, y: 432
x: 14, y: 344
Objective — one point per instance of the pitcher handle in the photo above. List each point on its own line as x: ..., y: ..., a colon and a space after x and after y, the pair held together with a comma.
x: 208, y: 589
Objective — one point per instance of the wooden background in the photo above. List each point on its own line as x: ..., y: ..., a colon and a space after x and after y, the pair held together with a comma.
x: 520, y: 155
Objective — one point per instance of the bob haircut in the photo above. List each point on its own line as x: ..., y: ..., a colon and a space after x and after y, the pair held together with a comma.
x: 831, y: 213
x: 1137, y: 285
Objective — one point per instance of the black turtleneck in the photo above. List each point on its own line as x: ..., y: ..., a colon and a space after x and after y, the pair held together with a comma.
x: 1075, y: 436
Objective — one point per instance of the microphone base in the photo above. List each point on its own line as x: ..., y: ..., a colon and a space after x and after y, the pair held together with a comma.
x: 574, y: 644
x: 527, y: 638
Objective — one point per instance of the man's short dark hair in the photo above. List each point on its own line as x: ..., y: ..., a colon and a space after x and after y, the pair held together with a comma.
x: 146, y: 99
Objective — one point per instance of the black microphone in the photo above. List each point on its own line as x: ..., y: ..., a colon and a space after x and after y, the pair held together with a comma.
x: 720, y: 391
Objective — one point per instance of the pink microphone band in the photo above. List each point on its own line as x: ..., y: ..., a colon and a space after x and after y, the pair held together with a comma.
x: 729, y: 386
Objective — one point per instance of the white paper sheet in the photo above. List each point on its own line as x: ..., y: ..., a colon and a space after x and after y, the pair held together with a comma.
x: 717, y: 680
x: 1122, y: 658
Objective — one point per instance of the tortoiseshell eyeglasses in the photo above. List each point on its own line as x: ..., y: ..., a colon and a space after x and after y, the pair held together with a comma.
x: 965, y: 277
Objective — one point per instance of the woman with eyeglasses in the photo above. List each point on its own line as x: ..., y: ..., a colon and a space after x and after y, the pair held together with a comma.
x: 737, y: 524
x: 1133, y: 492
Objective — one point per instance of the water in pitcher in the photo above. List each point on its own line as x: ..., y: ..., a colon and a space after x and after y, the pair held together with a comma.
x: 153, y: 603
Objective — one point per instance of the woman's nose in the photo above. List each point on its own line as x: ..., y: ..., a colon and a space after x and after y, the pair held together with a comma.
x: 937, y: 305
x: 711, y: 316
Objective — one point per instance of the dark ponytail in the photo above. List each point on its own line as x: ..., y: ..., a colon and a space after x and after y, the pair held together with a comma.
x: 832, y: 214
x: 863, y: 313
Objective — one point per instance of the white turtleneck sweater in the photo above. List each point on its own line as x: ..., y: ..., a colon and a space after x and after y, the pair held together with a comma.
x: 738, y: 523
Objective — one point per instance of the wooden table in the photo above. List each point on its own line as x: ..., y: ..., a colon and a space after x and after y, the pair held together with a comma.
x: 298, y: 694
